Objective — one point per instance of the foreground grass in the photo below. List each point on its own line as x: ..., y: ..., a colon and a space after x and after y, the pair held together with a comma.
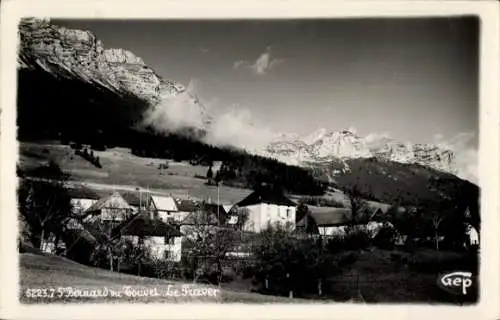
x: 60, y: 274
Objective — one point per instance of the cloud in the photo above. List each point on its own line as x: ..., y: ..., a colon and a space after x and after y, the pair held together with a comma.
x: 177, y: 112
x: 235, y: 126
x: 466, y: 153
x: 238, y: 127
x: 238, y: 64
x: 262, y: 65
x: 204, y: 50
x: 374, y: 137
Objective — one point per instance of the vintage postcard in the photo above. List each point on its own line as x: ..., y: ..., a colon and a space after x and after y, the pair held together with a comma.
x: 278, y: 160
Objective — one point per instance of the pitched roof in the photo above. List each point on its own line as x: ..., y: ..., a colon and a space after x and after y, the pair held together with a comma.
x: 212, y: 208
x: 82, y: 193
x: 326, y: 216
x: 164, y: 203
x: 200, y: 218
x: 266, y: 195
x: 142, y: 225
x: 187, y: 205
x: 374, y: 205
x: 137, y: 199
x: 114, y: 201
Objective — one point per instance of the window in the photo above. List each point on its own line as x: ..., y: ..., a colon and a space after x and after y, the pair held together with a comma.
x: 140, y: 241
x: 288, y: 212
x: 169, y: 240
x: 167, y: 254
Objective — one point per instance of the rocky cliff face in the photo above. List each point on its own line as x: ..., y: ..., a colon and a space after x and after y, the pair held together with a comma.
x: 329, y: 145
x: 79, y: 54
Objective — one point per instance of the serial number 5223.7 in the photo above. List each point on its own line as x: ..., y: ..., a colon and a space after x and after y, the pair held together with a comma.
x: 43, y: 293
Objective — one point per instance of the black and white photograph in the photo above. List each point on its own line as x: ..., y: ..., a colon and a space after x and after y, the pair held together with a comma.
x: 298, y: 160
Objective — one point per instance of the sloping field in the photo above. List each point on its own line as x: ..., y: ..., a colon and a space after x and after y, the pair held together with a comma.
x: 121, y: 170
x: 67, y: 281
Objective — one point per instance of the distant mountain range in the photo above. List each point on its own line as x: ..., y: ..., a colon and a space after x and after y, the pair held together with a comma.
x: 337, y: 146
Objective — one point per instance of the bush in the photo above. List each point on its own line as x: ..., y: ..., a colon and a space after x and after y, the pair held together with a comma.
x: 347, y: 259
x: 357, y: 237
x: 163, y: 269
x: 431, y: 261
x: 289, y: 262
x: 335, y: 244
x: 385, y: 237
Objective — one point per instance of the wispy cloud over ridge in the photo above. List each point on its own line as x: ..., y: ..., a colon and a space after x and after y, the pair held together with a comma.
x: 204, y: 50
x: 261, y: 65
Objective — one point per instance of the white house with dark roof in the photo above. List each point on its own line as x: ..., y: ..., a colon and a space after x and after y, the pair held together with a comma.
x: 163, y: 240
x: 267, y: 206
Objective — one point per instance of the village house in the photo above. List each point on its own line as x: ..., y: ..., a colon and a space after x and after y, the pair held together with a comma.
x: 267, y: 206
x: 201, y: 215
x: 166, y: 209
x: 472, y: 236
x: 107, y: 212
x: 163, y: 240
x: 112, y: 210
x: 232, y: 216
x: 325, y: 221
x: 139, y: 201
x: 330, y: 221
x: 82, y: 199
x: 471, y: 231
x: 185, y: 207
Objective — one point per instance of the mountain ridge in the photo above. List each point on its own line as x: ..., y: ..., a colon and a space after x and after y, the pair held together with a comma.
x: 325, y: 145
x: 83, y: 57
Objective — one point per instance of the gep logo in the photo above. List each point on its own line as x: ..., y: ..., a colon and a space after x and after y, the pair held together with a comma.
x: 456, y: 282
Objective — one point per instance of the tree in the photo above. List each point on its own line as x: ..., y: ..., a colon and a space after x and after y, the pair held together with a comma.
x: 110, y: 245
x: 209, y: 244
x: 436, y: 222
x: 286, y: 263
x: 304, y: 212
x: 357, y: 205
x: 210, y: 173
x: 242, y: 216
x: 45, y: 203
x: 218, y: 177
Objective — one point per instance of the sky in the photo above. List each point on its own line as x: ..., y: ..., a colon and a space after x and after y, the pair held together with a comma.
x: 414, y: 79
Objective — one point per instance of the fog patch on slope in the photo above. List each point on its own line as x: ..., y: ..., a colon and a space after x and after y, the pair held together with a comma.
x: 234, y: 127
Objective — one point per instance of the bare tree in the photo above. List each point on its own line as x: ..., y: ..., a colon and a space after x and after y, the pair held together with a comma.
x: 109, y: 244
x: 209, y: 244
x: 242, y: 216
x: 45, y: 203
x: 437, y: 218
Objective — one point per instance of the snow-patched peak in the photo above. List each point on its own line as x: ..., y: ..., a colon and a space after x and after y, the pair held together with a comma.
x: 315, y: 136
x: 325, y: 145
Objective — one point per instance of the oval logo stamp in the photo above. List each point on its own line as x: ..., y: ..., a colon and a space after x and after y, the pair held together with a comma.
x: 457, y: 282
